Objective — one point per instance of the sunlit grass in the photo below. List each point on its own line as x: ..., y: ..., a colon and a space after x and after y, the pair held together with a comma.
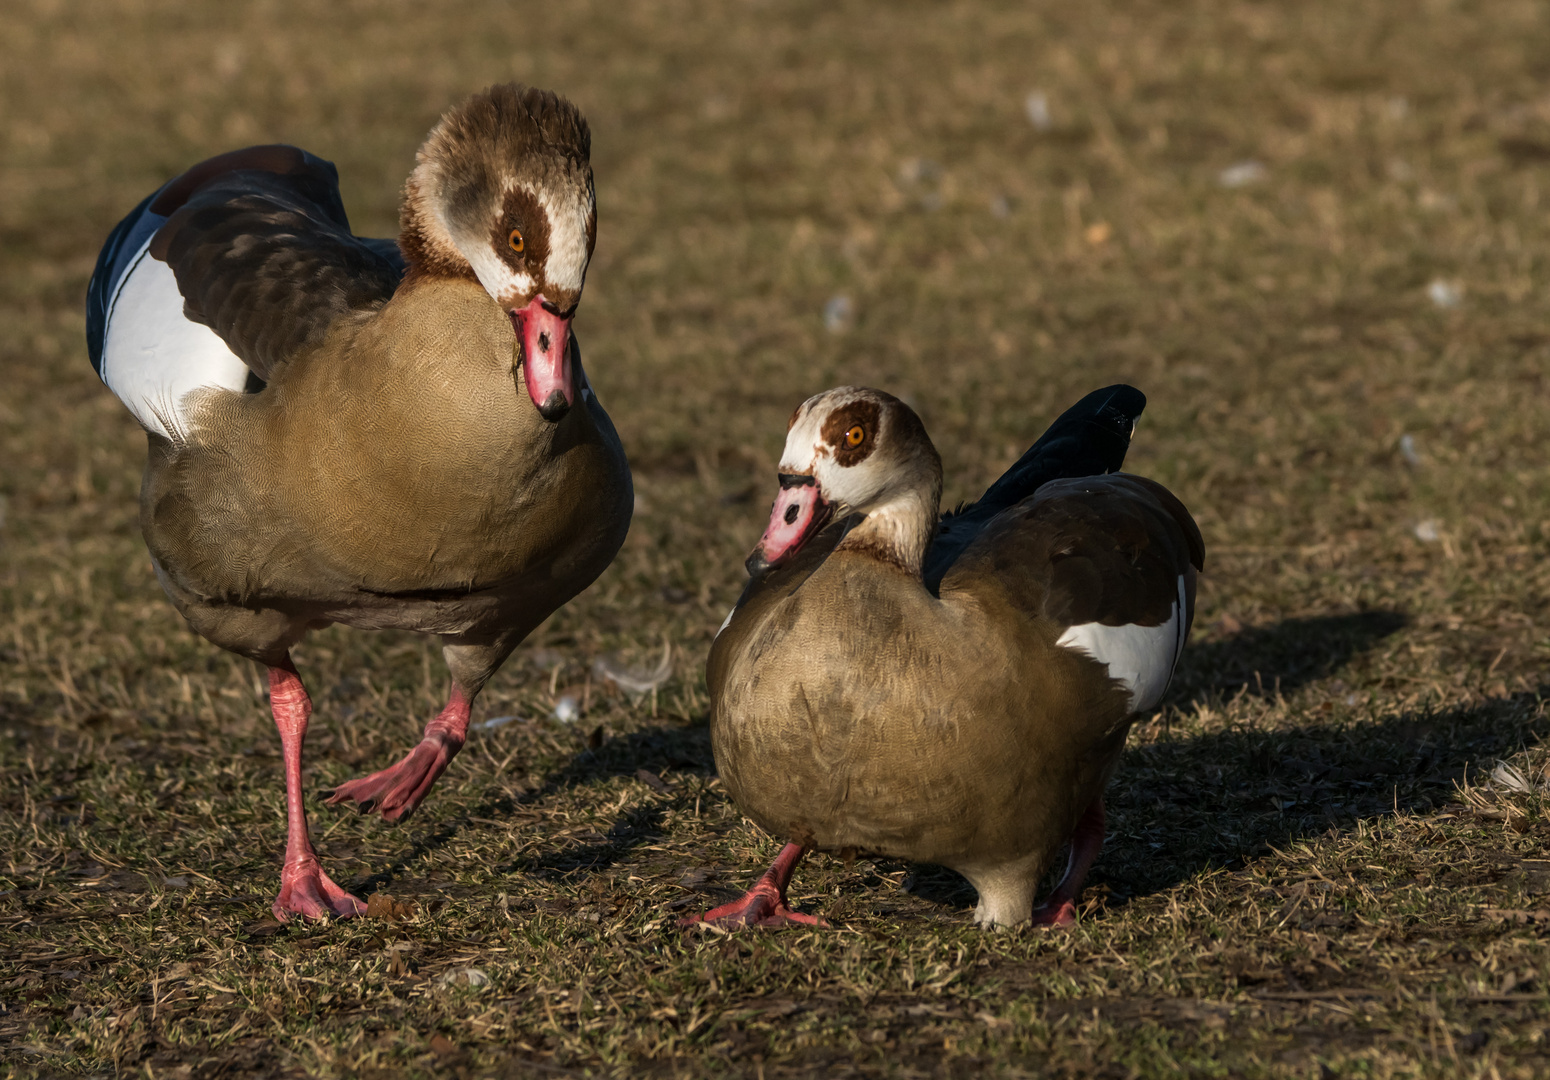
x: 1309, y: 873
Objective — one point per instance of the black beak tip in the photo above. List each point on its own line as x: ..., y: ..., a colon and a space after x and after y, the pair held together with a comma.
x: 756, y: 563
x: 554, y: 406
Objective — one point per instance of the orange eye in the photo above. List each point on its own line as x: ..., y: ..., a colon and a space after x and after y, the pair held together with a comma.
x: 855, y: 436
x: 515, y: 240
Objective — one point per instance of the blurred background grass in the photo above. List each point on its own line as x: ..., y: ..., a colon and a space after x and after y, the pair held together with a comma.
x: 1312, y: 233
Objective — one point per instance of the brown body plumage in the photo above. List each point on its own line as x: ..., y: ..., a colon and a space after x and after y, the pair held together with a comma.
x: 357, y: 431
x: 397, y: 478
x: 857, y: 708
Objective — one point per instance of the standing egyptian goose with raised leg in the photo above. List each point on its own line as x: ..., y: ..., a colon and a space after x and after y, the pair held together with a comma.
x: 953, y: 691
x: 352, y: 430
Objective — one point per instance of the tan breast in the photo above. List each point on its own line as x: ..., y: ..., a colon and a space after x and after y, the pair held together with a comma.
x: 400, y: 457
x: 861, y: 712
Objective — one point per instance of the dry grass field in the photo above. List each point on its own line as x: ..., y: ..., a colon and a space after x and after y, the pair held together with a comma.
x: 1316, y: 234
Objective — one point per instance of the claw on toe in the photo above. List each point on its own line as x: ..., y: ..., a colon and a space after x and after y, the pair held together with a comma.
x: 758, y: 908
x: 395, y: 792
x: 306, y: 891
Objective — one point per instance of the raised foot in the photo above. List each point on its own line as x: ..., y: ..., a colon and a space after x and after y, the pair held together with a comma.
x: 762, y: 906
x: 1055, y: 913
x: 396, y: 791
x: 306, y: 891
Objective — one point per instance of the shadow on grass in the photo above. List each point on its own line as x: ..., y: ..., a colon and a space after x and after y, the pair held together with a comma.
x: 665, y: 750
x: 659, y: 750
x: 1265, y: 660
x: 673, y: 751
x: 1186, y: 804
x: 1181, y: 805
x: 634, y: 827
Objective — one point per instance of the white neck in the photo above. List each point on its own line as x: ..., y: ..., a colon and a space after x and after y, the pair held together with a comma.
x: 897, y: 531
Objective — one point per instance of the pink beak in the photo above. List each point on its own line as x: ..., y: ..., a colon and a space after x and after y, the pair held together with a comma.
x: 545, y: 337
x: 798, y: 513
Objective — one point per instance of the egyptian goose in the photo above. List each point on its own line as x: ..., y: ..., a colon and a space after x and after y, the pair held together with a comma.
x: 357, y: 431
x: 952, y: 691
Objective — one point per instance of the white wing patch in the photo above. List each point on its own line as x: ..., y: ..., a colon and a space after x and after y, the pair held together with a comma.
x: 1140, y: 657
x: 152, y: 356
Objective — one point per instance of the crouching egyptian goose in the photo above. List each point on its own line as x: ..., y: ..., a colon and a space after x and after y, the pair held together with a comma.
x: 357, y: 431
x: 951, y: 691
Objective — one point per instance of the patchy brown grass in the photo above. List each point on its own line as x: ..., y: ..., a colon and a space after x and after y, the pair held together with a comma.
x: 1311, y: 872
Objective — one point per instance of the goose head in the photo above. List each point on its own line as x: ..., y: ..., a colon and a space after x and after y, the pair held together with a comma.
x: 502, y: 192
x: 854, y: 451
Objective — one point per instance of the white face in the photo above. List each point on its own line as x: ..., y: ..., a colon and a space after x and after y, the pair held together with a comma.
x: 834, y: 438
x: 563, y: 271
x: 568, y: 212
x: 510, y: 288
x: 866, y: 453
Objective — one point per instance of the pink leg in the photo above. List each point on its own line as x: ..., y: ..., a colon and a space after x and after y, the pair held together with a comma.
x: 304, y: 888
x: 1059, y: 908
x: 395, y: 792
x: 765, y: 903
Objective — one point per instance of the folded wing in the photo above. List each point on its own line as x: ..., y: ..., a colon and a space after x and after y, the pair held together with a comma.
x: 1088, y: 439
x: 1108, y: 563
x: 223, y: 275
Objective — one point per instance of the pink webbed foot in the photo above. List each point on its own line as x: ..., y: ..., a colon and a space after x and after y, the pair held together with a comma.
x: 396, y: 791
x: 765, y: 903
x: 1059, y: 908
x: 1055, y: 913
x: 757, y: 908
x: 306, y: 891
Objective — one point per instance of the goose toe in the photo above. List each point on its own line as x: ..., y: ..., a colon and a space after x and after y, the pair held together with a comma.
x: 307, y: 891
x: 395, y: 792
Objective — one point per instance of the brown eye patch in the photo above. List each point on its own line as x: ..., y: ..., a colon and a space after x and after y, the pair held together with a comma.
x: 839, y: 431
x: 522, y: 232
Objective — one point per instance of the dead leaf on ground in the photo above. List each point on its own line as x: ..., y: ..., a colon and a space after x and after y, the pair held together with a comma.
x: 383, y: 906
x: 651, y: 780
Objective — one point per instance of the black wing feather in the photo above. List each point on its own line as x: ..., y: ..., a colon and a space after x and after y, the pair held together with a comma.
x: 1088, y: 439
x: 263, y: 254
